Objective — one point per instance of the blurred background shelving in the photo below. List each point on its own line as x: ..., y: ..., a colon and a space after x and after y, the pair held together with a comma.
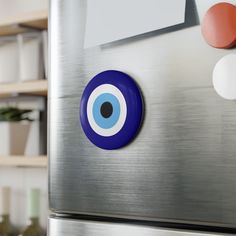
x: 38, y: 88
x: 23, y: 35
x: 23, y: 22
x: 23, y: 161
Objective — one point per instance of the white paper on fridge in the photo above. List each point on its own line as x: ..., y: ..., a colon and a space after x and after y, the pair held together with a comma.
x: 111, y: 20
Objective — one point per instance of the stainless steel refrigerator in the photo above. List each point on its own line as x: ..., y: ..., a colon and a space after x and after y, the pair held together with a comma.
x: 176, y: 175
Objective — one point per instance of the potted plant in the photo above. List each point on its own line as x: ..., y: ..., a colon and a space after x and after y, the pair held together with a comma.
x: 14, y: 130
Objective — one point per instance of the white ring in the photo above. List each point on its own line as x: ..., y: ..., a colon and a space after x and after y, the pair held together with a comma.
x: 107, y: 88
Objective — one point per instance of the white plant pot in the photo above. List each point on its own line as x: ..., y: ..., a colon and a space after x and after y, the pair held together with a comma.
x: 13, y: 136
x: 33, y: 142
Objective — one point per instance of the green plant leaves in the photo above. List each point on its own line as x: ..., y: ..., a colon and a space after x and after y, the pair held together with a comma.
x: 13, y: 114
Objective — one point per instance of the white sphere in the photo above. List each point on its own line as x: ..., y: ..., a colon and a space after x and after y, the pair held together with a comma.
x: 224, y: 77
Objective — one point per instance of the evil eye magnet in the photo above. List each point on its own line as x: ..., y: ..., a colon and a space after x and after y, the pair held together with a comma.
x: 111, y: 110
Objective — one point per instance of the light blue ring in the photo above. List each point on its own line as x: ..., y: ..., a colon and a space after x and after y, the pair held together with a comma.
x: 106, y: 123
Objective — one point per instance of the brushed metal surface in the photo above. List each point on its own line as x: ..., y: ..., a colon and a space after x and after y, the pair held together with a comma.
x: 62, y: 227
x: 181, y: 167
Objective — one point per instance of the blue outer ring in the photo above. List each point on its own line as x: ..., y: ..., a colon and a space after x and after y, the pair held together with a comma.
x: 134, y: 102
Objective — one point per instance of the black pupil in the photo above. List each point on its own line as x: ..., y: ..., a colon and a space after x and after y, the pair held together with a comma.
x: 106, y: 109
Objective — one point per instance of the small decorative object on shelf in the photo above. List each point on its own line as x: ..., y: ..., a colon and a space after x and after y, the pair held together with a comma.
x: 33, y: 200
x: 14, y: 130
x: 9, y: 62
x: 45, y: 52
x: 6, y: 228
x: 31, y: 56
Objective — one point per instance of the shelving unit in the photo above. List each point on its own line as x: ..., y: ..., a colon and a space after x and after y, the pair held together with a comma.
x: 12, y: 25
x: 38, y: 87
x: 22, y: 161
x: 37, y: 20
x: 23, y: 46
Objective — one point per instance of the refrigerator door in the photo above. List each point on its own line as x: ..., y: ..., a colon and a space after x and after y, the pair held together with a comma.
x: 181, y: 166
x: 62, y: 227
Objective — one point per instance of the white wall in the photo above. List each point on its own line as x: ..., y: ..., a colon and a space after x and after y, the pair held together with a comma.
x: 15, y: 7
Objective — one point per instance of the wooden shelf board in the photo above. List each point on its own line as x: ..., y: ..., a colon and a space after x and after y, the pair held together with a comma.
x: 22, y: 161
x: 38, y: 24
x: 11, y: 30
x: 18, y: 24
x: 37, y: 87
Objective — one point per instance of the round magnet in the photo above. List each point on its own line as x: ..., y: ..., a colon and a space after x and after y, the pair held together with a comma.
x: 224, y: 77
x: 111, y: 109
x: 219, y: 25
